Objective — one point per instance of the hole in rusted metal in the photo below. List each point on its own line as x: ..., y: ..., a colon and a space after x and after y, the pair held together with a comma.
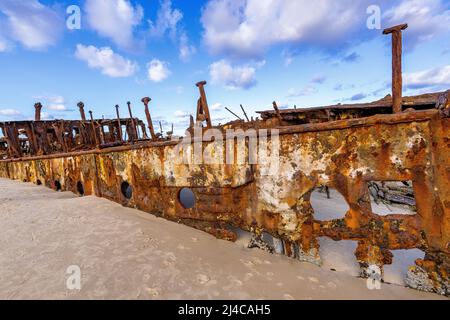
x: 38, y: 182
x: 187, y: 198
x: 127, y: 190
x: 402, y: 259
x: 57, y: 185
x: 389, y: 197
x: 80, y: 188
x: 339, y: 255
x: 328, y: 204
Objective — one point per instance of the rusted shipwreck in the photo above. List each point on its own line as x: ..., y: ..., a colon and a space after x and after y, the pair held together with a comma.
x: 344, y: 147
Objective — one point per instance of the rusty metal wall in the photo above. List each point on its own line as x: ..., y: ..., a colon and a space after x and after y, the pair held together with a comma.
x: 344, y: 155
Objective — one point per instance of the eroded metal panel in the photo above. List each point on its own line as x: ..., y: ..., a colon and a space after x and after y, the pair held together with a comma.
x: 345, y: 155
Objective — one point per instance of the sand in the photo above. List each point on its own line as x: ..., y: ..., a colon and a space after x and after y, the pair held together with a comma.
x: 127, y: 254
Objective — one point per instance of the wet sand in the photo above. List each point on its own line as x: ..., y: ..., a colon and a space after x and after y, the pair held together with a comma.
x: 127, y: 254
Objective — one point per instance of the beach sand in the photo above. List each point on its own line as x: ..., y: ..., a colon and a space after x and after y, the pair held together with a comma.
x: 127, y: 254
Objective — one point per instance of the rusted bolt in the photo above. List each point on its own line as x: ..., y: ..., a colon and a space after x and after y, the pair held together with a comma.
x: 201, y: 83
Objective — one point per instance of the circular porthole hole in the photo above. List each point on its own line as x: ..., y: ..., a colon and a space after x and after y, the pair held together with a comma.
x: 187, y: 198
x: 127, y: 190
x: 80, y: 188
x: 39, y: 182
x: 57, y: 185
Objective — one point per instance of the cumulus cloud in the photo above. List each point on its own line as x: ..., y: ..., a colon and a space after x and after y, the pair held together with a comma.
x: 250, y: 27
x: 114, y: 19
x: 32, y: 24
x: 158, y: 70
x: 232, y: 77
x: 426, y: 19
x: 105, y: 60
x: 434, y: 77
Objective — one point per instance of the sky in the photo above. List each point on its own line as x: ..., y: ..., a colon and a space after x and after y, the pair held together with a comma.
x: 251, y: 52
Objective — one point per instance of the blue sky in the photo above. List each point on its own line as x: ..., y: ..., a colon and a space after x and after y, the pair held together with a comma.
x: 251, y: 52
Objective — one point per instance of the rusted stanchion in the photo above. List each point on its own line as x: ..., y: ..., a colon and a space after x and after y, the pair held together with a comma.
x: 37, y: 112
x: 133, y: 125
x: 396, y: 65
x: 119, y: 124
x: 245, y: 113
x: 234, y: 114
x: 277, y: 110
x: 202, y: 108
x: 94, y: 132
x: 146, y: 101
x: 81, y: 107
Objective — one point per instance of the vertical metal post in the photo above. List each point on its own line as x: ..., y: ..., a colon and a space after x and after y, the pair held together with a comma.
x: 119, y: 124
x: 146, y: 101
x: 37, y: 112
x: 397, y: 81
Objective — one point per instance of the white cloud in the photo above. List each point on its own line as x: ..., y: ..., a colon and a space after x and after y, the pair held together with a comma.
x: 56, y: 103
x: 10, y: 113
x: 158, y: 70
x: 306, y: 91
x: 166, y: 21
x: 181, y: 114
x: 216, y: 107
x: 30, y: 23
x: 232, y: 77
x: 179, y: 89
x: 114, y: 19
x: 249, y: 27
x: 47, y: 116
x: 186, y: 49
x: 3, y: 45
x: 104, y: 59
x: 426, y: 19
x: 428, y: 78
